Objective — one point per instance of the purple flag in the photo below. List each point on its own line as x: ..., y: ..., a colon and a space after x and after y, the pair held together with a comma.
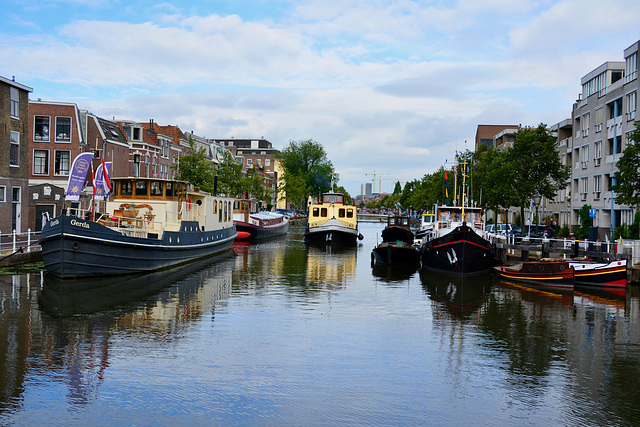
x: 79, y: 169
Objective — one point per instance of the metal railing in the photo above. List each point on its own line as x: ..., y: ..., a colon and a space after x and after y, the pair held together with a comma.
x: 12, y: 242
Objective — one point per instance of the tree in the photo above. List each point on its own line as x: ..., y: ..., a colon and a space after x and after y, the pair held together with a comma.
x: 255, y: 185
x: 195, y: 168
x: 230, y: 179
x: 535, y: 167
x: 294, y: 189
x: 627, y: 187
x: 307, y: 161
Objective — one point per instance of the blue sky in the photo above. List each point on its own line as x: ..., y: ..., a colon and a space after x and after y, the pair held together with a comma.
x: 392, y: 87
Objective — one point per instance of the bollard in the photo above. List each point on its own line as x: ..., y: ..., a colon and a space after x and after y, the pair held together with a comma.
x: 576, y: 248
x: 28, y: 240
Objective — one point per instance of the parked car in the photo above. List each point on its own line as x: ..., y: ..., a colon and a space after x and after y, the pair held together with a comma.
x: 500, y: 228
x: 534, y: 232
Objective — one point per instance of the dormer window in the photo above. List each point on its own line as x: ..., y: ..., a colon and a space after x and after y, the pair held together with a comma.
x: 136, y: 134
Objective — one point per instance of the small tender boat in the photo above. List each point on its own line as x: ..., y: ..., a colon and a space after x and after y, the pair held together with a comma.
x: 604, y: 274
x: 426, y: 226
x: 548, y: 273
x: 397, y: 247
x: 258, y: 225
x: 150, y: 224
x: 331, y: 221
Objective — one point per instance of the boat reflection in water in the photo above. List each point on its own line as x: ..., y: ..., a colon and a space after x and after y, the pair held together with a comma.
x: 331, y: 266
x: 393, y: 273
x: 84, y: 296
x: 460, y: 296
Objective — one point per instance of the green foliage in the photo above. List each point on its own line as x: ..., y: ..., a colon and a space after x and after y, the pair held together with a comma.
x: 634, y: 229
x: 563, y: 231
x: 398, y: 188
x: 305, y: 162
x: 230, y: 179
x: 627, y: 187
x: 195, y: 168
x: 294, y: 190
x: 585, y: 222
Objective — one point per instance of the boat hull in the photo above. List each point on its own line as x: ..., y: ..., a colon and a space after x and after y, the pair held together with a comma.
x: 461, y: 251
x: 73, y: 247
x: 551, y: 274
x: 331, y: 232
x: 602, y: 274
x: 257, y: 232
x: 393, y: 254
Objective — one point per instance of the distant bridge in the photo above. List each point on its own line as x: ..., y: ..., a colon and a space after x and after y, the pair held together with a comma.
x: 369, y: 217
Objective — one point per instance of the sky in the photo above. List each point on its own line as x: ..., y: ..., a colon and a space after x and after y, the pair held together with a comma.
x: 390, y: 89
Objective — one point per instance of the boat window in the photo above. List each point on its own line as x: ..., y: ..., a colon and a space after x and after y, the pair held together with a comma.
x: 168, y: 189
x: 126, y: 188
x: 316, y: 212
x: 350, y: 213
x: 220, y: 211
x: 215, y: 207
x: 156, y: 188
x: 323, y: 212
x: 341, y: 213
x: 141, y: 188
x: 405, y: 221
x: 392, y: 221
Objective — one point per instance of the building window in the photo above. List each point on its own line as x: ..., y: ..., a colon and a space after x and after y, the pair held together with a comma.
x: 136, y: 134
x: 3, y: 193
x: 14, y: 151
x: 62, y: 163
x: 597, y: 157
x: 585, y: 156
x: 267, y: 162
x: 41, y: 162
x: 585, y: 125
x: 41, y: 129
x: 249, y: 162
x: 585, y: 188
x: 15, y: 103
x: 631, y: 67
x: 631, y: 105
x: 596, y: 187
x: 63, y: 129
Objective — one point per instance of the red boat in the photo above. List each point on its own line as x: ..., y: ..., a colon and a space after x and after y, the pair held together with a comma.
x: 602, y: 274
x: 546, y: 273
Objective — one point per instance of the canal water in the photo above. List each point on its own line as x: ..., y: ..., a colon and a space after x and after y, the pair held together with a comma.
x: 281, y: 333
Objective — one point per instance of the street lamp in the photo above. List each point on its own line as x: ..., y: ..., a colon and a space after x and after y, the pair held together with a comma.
x: 536, y: 201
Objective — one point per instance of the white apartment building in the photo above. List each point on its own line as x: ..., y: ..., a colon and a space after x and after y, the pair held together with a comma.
x: 602, y: 119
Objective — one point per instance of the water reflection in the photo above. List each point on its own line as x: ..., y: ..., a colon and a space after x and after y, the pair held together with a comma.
x: 64, y: 330
x: 393, y: 273
x: 458, y: 296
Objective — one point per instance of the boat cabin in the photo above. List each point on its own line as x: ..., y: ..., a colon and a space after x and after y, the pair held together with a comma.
x: 331, y: 206
x: 450, y: 216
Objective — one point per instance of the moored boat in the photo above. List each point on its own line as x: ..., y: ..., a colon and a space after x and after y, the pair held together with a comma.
x: 258, y: 225
x: 546, y: 273
x: 457, y: 245
x: 600, y: 273
x: 331, y: 221
x: 179, y: 224
x: 397, y: 247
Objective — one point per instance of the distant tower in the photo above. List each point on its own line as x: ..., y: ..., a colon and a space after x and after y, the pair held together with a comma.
x: 366, y: 189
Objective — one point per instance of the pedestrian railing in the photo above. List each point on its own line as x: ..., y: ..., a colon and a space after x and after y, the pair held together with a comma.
x: 12, y: 242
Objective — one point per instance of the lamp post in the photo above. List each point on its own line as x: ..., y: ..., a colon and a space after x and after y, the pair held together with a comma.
x: 536, y: 201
